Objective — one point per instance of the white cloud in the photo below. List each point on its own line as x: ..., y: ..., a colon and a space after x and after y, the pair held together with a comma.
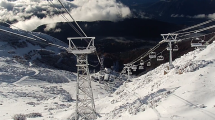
x: 34, y: 22
x: 176, y: 15
x: 7, y: 5
x: 97, y: 9
x: 143, y: 15
x: 209, y: 16
x: 200, y: 16
x: 28, y: 13
x: 57, y: 30
x: 50, y: 26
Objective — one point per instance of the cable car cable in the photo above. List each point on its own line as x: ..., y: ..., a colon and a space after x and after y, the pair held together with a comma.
x: 33, y: 39
x: 72, y: 17
x: 65, y: 18
x: 191, y: 27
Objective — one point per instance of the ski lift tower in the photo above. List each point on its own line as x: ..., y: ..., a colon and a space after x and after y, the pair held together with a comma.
x: 128, y: 67
x: 102, y: 63
x: 169, y: 38
x: 85, y: 106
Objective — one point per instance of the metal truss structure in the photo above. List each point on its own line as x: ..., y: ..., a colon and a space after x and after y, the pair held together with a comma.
x: 85, y: 106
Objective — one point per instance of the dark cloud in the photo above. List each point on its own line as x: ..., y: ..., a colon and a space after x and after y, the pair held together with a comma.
x: 7, y: 5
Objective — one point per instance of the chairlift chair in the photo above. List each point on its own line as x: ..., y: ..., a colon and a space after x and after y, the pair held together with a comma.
x: 141, y: 67
x: 134, y: 67
x: 202, y: 47
x: 160, y: 58
x: 149, y: 64
x: 175, y: 48
x: 152, y: 55
x: 123, y: 72
x: 168, y: 48
x: 197, y: 42
x: 141, y: 62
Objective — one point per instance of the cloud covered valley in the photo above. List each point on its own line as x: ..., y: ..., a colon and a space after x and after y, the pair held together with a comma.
x: 29, y: 14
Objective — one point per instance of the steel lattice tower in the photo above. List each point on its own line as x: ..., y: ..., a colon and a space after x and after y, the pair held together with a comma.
x: 85, y: 107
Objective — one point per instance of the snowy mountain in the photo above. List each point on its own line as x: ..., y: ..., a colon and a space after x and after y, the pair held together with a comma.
x: 38, y: 91
x: 182, y: 93
x: 38, y: 50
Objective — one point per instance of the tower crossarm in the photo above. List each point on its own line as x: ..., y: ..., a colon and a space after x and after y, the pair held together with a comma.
x: 169, y: 37
x: 90, y: 48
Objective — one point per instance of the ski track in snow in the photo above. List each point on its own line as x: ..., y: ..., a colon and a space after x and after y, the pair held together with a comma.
x: 25, y: 77
x: 22, y: 79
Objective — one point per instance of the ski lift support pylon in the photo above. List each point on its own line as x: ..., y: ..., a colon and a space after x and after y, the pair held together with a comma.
x: 85, y: 106
x: 170, y: 38
x: 128, y: 67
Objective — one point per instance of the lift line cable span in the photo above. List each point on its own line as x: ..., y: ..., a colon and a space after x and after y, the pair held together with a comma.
x: 72, y: 17
x: 154, y: 48
x: 33, y: 39
x: 199, y: 30
x: 196, y: 31
x: 146, y: 53
x: 183, y: 39
x: 78, y: 26
x: 140, y: 58
x: 191, y: 27
x: 65, y: 18
x: 25, y: 31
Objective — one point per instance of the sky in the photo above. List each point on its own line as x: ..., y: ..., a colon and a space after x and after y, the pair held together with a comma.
x: 30, y: 14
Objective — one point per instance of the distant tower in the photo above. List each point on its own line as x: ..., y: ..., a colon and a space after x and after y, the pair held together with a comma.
x: 169, y: 38
x: 128, y: 67
x: 85, y: 106
x: 102, y: 63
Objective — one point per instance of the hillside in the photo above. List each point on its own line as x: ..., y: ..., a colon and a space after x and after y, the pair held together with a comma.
x: 185, y: 92
x: 105, y: 31
x: 39, y: 91
x: 32, y: 79
x: 120, y: 41
x: 38, y: 50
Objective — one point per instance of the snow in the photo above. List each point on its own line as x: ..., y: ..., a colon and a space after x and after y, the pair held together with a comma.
x: 30, y: 92
x: 185, y: 92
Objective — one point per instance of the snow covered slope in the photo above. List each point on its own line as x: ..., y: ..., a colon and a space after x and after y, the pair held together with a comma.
x: 186, y: 92
x: 32, y: 88
x: 38, y: 51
